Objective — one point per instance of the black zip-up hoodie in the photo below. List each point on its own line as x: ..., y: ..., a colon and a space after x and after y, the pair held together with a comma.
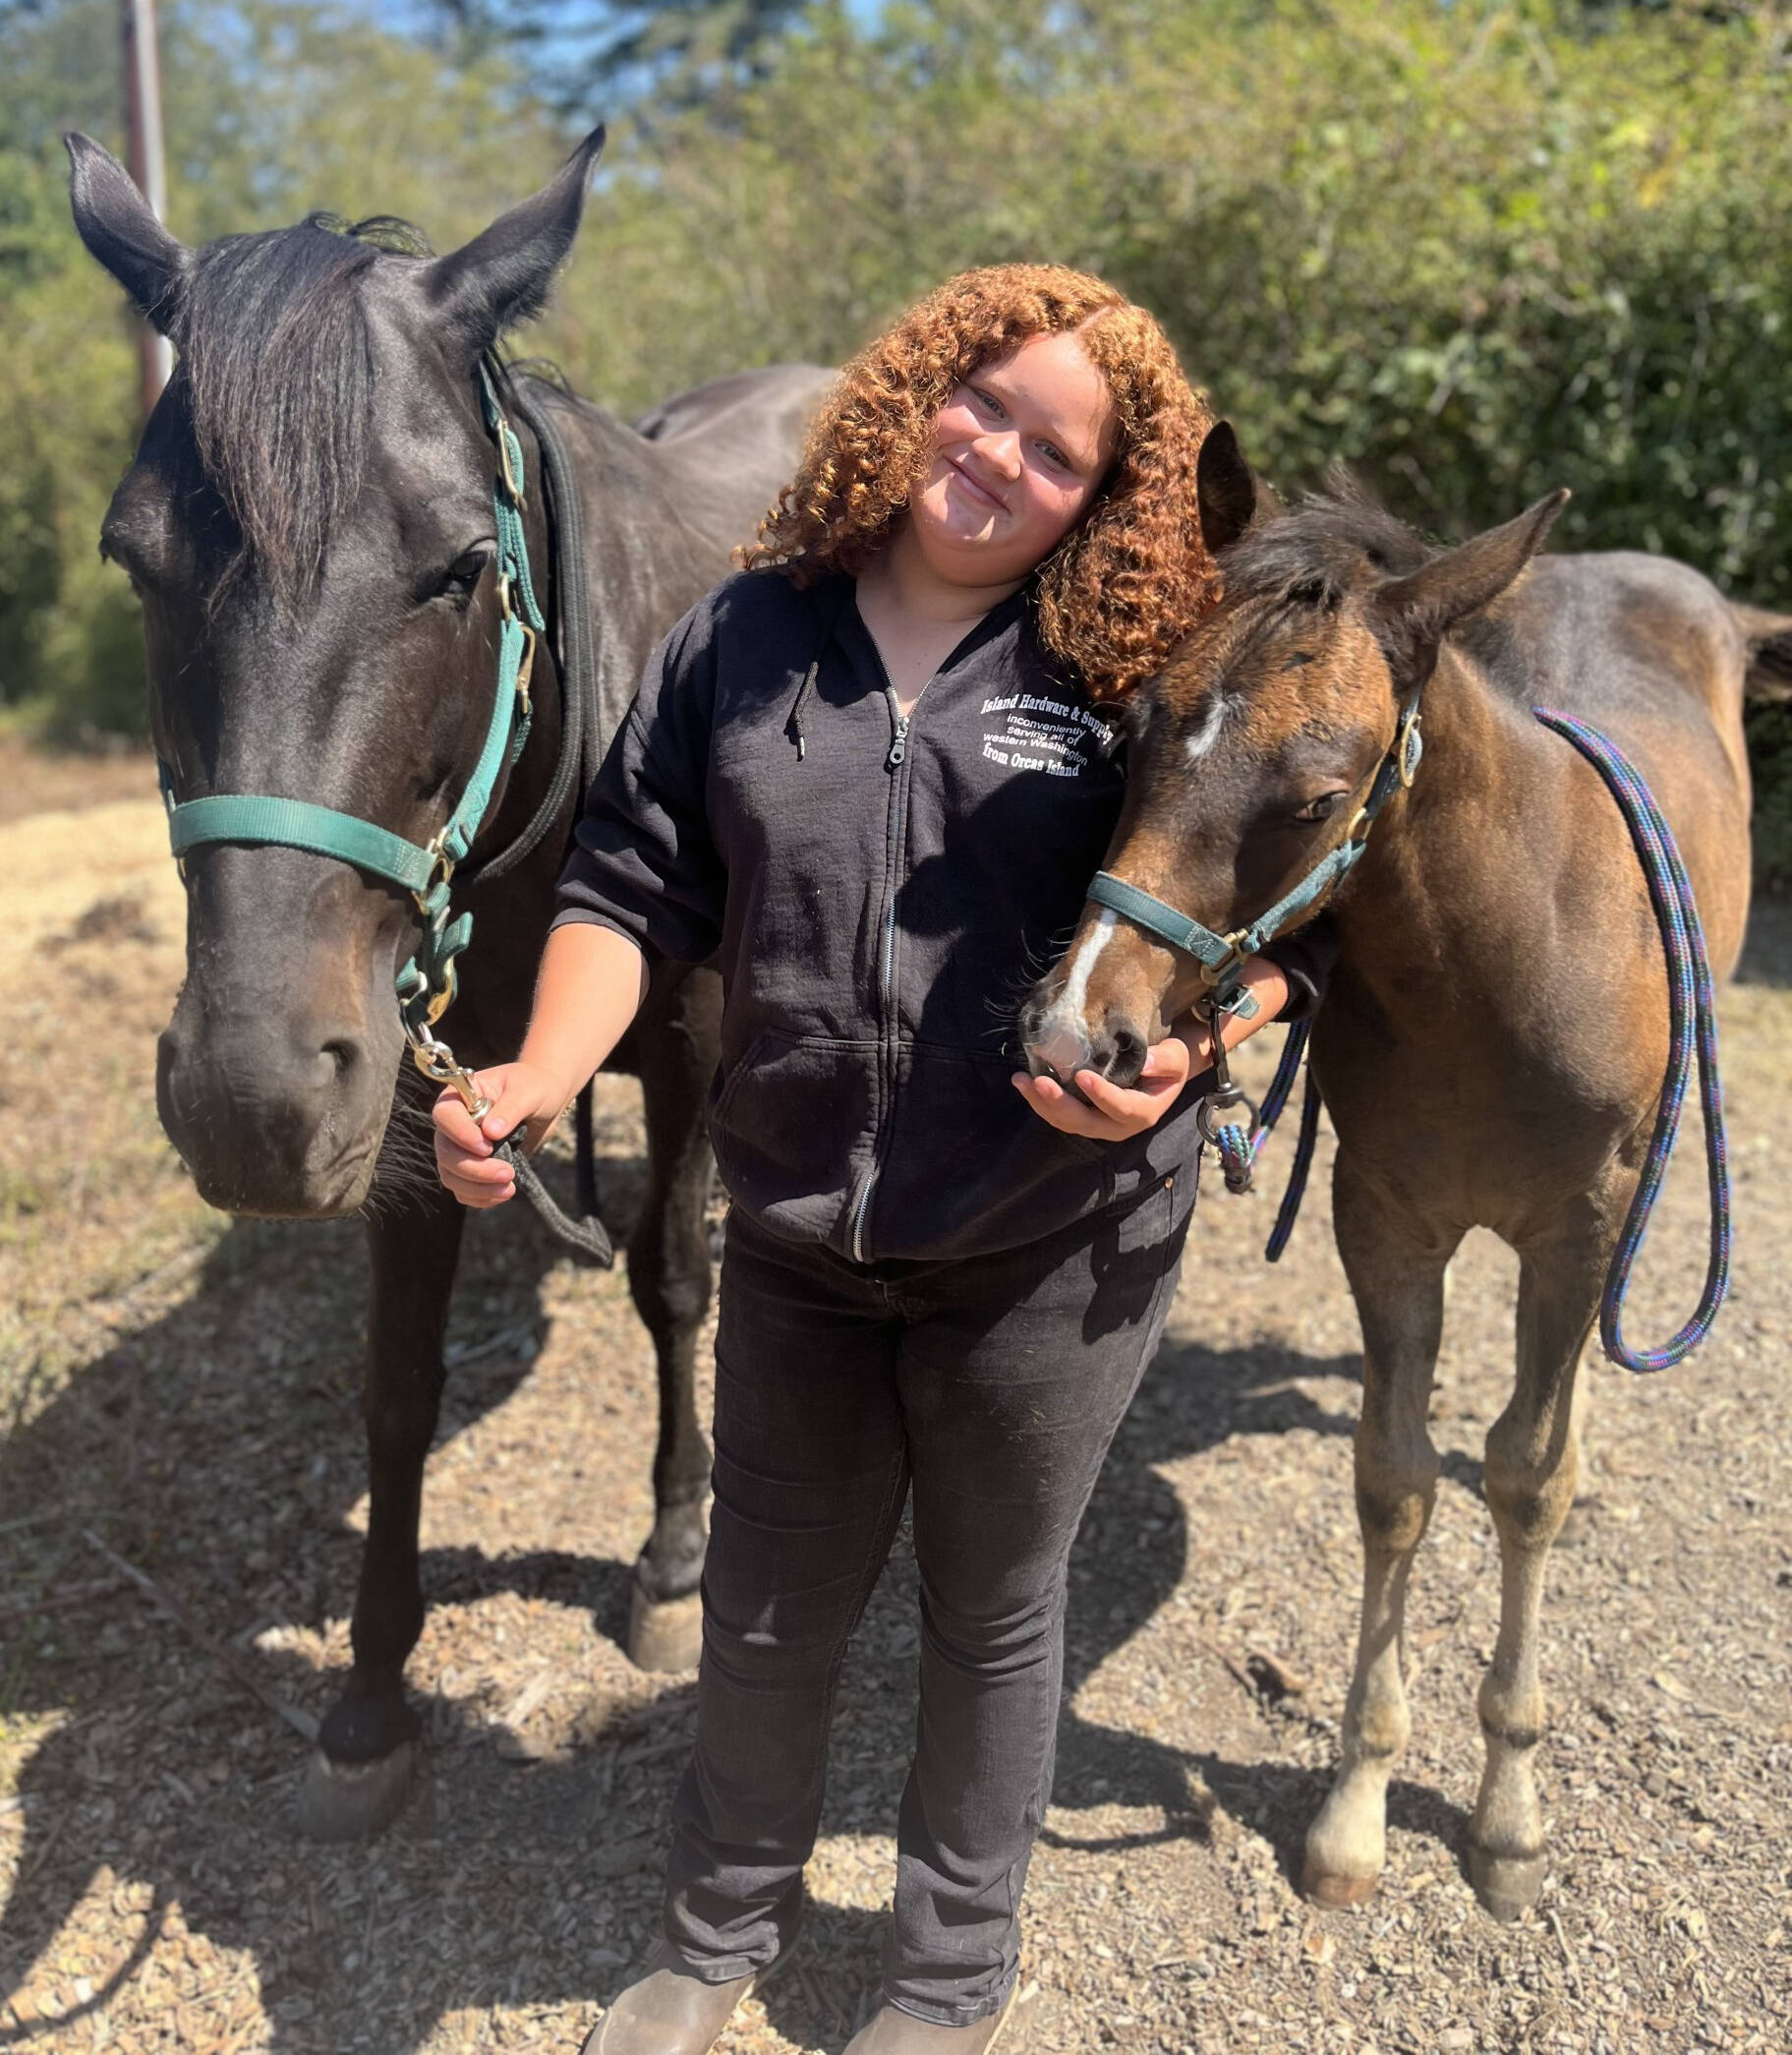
x: 879, y: 893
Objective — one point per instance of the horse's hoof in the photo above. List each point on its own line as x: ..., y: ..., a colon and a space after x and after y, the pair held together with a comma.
x: 664, y: 1634
x: 1506, y: 1885
x: 1327, y: 1888
x: 355, y: 1801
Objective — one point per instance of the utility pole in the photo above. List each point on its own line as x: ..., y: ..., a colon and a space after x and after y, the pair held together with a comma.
x: 143, y: 149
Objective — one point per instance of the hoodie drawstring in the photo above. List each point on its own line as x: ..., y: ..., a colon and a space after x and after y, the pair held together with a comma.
x: 794, y: 724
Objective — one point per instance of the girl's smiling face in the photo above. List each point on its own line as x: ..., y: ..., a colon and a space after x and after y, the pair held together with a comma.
x: 1019, y: 452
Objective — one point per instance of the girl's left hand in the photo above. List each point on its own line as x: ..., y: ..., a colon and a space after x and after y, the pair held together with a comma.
x: 1112, y: 1114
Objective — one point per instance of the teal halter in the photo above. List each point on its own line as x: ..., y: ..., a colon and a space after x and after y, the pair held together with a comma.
x: 1223, y: 958
x: 426, y: 983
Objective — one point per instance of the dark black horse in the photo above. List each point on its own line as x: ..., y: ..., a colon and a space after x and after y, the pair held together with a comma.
x: 308, y: 524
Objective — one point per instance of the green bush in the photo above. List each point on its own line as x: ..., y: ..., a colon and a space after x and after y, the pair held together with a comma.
x: 272, y: 108
x: 1771, y: 760
x: 1476, y: 251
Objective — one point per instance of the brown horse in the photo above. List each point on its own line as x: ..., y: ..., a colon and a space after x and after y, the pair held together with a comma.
x: 1494, y: 1044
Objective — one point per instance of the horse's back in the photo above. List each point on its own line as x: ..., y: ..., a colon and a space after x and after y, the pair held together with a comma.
x: 1651, y: 653
x: 722, y: 451
x: 1619, y: 635
x: 784, y: 394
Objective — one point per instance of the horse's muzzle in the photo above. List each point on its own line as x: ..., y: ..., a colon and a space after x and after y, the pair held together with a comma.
x: 275, y: 1116
x: 1057, y: 1044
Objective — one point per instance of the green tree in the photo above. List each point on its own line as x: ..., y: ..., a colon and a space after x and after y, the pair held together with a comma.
x: 590, y: 60
x: 1476, y: 250
x: 272, y: 108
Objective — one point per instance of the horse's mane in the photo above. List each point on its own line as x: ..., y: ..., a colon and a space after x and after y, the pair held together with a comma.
x: 1321, y: 543
x: 278, y: 366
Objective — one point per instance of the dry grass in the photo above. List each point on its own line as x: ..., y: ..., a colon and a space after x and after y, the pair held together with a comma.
x: 186, y: 1387
x: 33, y: 780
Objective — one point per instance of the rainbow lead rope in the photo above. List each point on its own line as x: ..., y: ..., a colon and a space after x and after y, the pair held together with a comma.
x: 1693, y: 1024
x: 1692, y: 1028
x: 1239, y: 1143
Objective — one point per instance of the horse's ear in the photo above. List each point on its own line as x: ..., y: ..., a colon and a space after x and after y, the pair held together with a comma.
x: 503, y: 274
x: 1414, y: 615
x: 1231, y: 495
x: 119, y: 226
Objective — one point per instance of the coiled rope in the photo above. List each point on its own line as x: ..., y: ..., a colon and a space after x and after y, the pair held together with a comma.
x: 1692, y: 1031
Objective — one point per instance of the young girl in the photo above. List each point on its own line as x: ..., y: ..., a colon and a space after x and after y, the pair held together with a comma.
x: 871, y: 777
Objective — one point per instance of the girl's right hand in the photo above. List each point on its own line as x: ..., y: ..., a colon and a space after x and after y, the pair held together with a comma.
x: 520, y: 1094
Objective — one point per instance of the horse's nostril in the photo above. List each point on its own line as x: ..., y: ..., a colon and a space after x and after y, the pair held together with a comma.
x: 344, y: 1054
x: 1128, y: 1057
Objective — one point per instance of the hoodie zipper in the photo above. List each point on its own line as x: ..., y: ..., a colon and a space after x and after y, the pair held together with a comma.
x: 896, y: 761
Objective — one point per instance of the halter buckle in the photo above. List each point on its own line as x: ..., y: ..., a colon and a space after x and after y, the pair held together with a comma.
x: 525, y: 666
x: 1217, y: 976
x: 506, y: 442
x: 441, y: 870
x: 1408, y: 748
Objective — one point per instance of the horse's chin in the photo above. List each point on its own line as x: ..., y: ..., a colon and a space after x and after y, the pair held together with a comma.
x: 331, y: 1192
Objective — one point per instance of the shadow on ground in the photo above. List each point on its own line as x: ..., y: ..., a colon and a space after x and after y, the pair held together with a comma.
x: 221, y: 1449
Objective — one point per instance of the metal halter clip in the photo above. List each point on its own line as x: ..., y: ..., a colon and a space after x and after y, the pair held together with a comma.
x: 441, y: 1001
x: 437, y: 1063
x: 1217, y: 1111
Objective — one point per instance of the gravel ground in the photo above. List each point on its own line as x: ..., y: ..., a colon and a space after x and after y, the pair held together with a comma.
x: 180, y: 1391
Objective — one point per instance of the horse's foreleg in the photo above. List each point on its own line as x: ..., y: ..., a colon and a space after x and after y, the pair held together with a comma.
x: 1533, y: 1460
x: 1397, y: 1277
x: 669, y: 1276
x: 359, y: 1776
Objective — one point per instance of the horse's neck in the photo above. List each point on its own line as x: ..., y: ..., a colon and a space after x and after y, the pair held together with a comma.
x: 643, y: 566
x: 630, y: 500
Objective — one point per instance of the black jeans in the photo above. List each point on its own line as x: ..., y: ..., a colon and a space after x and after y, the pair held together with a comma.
x: 991, y: 1387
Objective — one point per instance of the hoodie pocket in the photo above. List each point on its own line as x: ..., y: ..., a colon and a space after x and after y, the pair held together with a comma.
x: 793, y: 1128
x: 969, y: 1166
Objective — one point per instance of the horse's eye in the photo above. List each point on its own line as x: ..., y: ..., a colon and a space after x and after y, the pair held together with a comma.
x: 461, y: 578
x: 1320, y: 809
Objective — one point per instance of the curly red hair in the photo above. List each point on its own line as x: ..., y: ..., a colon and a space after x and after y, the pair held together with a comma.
x: 1132, y: 577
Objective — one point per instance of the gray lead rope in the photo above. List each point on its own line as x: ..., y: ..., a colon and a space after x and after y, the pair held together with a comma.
x: 588, y: 1238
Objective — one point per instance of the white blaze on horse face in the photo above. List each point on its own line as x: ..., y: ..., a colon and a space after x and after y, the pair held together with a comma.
x: 1064, y: 1039
x: 1204, y: 737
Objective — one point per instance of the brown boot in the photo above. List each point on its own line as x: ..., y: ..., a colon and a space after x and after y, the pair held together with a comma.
x: 668, y: 2010
x: 894, y: 2032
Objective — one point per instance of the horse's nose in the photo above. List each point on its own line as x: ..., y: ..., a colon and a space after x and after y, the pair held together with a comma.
x: 1059, y: 1044
x: 271, y: 1116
